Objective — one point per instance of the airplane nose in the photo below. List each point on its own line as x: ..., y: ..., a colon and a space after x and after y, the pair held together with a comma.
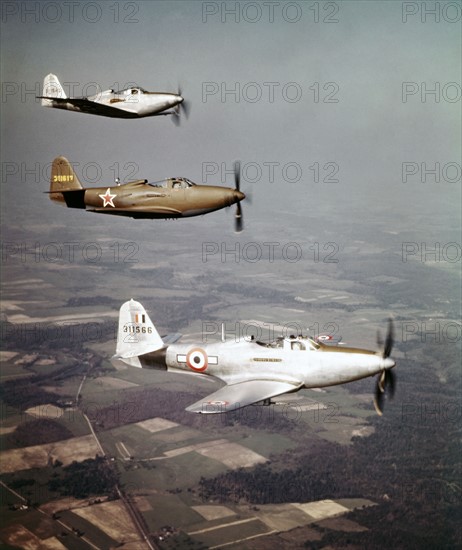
x: 173, y: 100
x: 388, y: 363
x: 238, y: 196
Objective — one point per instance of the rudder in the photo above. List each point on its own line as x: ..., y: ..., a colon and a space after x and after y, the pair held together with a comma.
x: 52, y: 89
x: 137, y: 334
x: 64, y: 183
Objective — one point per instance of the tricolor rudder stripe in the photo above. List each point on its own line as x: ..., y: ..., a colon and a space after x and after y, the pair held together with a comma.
x: 137, y: 334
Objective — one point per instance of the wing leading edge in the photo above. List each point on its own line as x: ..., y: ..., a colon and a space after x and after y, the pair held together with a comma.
x: 241, y: 394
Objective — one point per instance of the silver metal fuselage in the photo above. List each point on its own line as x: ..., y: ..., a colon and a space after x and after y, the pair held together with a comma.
x: 120, y: 104
x: 233, y: 362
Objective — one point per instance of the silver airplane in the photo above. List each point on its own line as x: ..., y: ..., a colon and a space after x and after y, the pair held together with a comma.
x: 252, y: 371
x: 132, y: 102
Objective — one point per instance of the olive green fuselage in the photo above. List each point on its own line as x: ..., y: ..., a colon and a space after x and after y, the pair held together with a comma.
x: 171, y: 199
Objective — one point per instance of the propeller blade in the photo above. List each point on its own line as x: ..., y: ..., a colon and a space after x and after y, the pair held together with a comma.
x: 238, y: 221
x: 176, y: 118
x: 186, y: 107
x: 386, y: 383
x: 378, y: 400
x: 382, y: 382
x: 183, y: 107
x: 389, y: 339
x: 237, y: 175
x: 390, y: 381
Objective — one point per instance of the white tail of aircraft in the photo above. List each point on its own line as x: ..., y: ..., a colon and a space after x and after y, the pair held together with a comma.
x: 137, y: 334
x: 52, y: 88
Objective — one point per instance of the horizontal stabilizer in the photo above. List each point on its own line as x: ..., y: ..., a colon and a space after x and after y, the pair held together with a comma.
x: 329, y: 339
x: 171, y: 338
x: 74, y: 198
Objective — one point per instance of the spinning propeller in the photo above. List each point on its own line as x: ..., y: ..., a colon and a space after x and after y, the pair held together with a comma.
x: 386, y: 381
x: 183, y: 107
x: 238, y: 220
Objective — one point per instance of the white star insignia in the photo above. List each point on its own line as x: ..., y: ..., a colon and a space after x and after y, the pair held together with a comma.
x: 108, y: 198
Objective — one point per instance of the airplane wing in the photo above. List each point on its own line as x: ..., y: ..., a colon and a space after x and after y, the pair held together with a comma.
x: 134, y: 212
x: 238, y: 395
x: 92, y: 107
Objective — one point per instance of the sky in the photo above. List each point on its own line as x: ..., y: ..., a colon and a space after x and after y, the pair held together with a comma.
x: 345, y: 115
x: 333, y: 108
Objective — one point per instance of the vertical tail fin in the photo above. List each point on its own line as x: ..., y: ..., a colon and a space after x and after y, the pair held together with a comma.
x: 52, y: 88
x: 137, y: 334
x: 64, y: 183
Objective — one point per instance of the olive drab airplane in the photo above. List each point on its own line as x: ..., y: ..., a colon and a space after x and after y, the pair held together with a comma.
x: 134, y: 102
x: 168, y: 199
x: 253, y: 372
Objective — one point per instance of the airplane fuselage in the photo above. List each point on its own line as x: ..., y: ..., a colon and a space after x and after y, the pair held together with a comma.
x: 142, y: 103
x: 131, y: 103
x: 293, y: 362
x: 172, y: 199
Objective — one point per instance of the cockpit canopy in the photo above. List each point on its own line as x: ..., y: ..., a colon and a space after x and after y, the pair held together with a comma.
x: 174, y: 183
x: 301, y: 343
x: 134, y: 90
x: 181, y: 183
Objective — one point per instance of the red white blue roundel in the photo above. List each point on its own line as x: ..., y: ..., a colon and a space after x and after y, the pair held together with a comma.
x: 197, y: 360
x: 324, y: 337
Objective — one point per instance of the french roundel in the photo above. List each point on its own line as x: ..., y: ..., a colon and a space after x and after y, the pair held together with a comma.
x: 324, y: 337
x: 197, y: 360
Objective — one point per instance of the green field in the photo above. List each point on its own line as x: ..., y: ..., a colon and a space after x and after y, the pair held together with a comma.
x: 181, y: 472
